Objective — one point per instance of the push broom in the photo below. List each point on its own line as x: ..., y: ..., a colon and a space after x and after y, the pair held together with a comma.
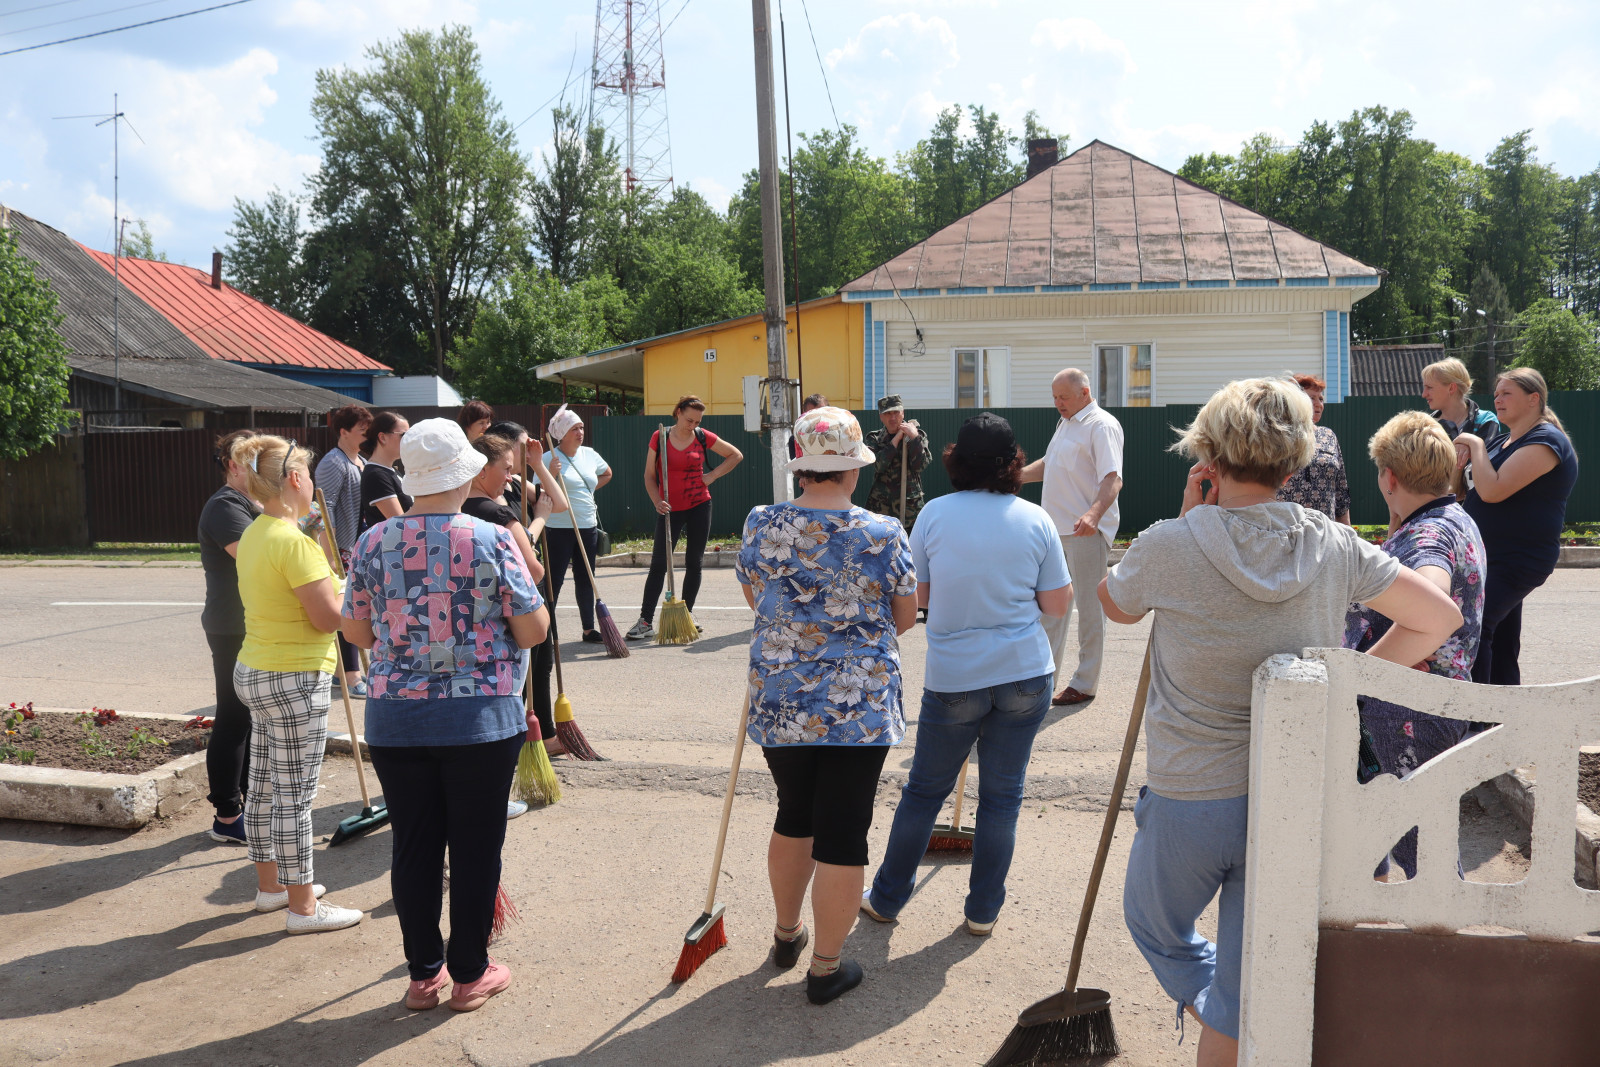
x: 950, y: 837
x: 1075, y: 1024
x: 616, y: 647
x: 371, y: 817
x: 677, y: 625
x: 566, y: 725
x: 536, y: 781
x: 706, y: 934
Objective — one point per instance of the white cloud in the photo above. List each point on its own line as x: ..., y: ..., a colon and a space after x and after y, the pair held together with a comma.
x: 926, y: 44
x: 359, y: 21
x: 1084, y: 36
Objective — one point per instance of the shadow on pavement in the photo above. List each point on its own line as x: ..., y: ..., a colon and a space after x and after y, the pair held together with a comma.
x: 700, y: 1032
x: 717, y: 644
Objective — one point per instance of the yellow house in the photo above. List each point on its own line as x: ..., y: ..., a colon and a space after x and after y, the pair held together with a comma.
x: 711, y: 361
x: 1160, y: 290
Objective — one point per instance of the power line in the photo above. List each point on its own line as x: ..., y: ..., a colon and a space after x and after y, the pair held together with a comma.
x: 119, y: 29
x: 820, y: 66
x: 37, y: 7
x: 80, y: 18
x: 559, y: 94
x: 673, y: 19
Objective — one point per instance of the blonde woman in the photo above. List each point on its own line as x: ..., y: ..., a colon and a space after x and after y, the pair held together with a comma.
x: 1518, y: 489
x: 1239, y: 576
x: 284, y: 675
x: 1445, y: 388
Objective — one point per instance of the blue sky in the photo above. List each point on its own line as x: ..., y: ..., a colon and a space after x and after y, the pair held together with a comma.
x: 221, y: 100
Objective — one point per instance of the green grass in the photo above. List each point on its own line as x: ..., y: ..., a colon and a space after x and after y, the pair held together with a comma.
x: 112, y: 550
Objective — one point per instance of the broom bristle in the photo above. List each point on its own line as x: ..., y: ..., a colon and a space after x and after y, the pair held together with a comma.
x: 677, y: 625
x: 578, y: 746
x: 505, y: 912
x: 940, y: 843
x: 697, y: 952
x: 616, y: 646
x: 536, y: 781
x: 1088, y: 1037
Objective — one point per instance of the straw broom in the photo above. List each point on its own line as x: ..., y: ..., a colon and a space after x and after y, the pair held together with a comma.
x: 677, y: 625
x: 536, y: 781
x: 578, y: 746
x: 950, y: 837
x: 706, y: 934
x: 616, y: 647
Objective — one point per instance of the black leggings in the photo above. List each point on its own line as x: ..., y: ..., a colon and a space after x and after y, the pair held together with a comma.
x: 826, y: 793
x: 544, y: 662
x: 438, y: 796
x: 697, y: 521
x: 1500, y: 644
x: 564, y: 552
x: 228, y: 753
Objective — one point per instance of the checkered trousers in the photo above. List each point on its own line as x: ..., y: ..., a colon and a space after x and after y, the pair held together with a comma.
x: 288, y: 732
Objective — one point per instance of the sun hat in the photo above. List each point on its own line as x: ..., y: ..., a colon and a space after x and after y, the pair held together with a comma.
x: 563, y: 422
x: 987, y: 436
x: 438, y: 457
x: 830, y: 440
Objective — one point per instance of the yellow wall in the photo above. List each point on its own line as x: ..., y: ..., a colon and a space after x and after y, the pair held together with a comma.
x: 829, y: 361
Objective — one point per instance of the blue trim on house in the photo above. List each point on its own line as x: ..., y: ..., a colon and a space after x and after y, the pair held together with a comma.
x: 1109, y: 287
x: 1158, y: 285
x: 880, y: 374
x: 1330, y: 352
x: 1210, y: 283
x: 967, y: 290
x: 1306, y: 281
x: 1344, y: 355
x: 866, y: 355
x: 1257, y: 283
x: 869, y: 294
x: 920, y: 292
x: 1357, y: 279
x: 1061, y: 288
x: 352, y: 383
x: 1016, y: 288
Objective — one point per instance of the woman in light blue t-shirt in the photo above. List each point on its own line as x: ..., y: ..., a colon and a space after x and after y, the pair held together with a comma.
x: 988, y: 563
x: 582, y: 472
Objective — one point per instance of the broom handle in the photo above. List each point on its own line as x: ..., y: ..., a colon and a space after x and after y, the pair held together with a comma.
x: 1135, y: 720
x: 344, y: 687
x: 961, y: 793
x: 902, y: 478
x: 672, y: 589
x: 727, y: 803
x: 583, y: 553
x: 527, y: 683
x: 555, y: 641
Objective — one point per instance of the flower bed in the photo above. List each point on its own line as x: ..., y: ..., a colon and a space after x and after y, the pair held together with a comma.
x: 97, y: 740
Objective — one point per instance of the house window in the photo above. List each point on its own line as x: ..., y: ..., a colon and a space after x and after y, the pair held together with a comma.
x: 1124, y: 373
x: 981, y: 377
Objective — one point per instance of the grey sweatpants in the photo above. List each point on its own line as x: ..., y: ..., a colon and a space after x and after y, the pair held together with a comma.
x: 1086, y: 564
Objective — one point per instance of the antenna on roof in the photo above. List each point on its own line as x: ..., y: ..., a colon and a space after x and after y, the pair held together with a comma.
x: 116, y: 118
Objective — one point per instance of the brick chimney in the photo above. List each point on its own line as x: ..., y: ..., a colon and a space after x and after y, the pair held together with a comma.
x: 216, y: 269
x: 1042, y: 154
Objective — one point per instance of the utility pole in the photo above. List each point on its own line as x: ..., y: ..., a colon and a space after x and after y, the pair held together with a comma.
x: 780, y: 419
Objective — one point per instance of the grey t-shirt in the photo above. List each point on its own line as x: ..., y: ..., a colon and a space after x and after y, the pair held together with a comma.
x: 222, y: 522
x: 1230, y: 588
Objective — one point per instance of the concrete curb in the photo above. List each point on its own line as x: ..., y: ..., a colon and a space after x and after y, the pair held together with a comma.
x: 156, y: 564
x: 1518, y: 791
x: 97, y: 798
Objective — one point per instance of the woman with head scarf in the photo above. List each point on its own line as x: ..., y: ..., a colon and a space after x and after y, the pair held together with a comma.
x: 582, y: 473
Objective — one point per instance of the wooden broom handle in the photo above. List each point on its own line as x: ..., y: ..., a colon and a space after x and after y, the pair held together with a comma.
x: 661, y: 432
x: 344, y: 686
x: 1135, y: 721
x: 727, y: 803
x: 902, y: 479
x: 961, y: 792
x: 527, y: 683
x: 555, y: 642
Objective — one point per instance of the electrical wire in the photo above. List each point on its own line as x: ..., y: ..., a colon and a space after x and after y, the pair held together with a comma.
x: 674, y: 18
x: 80, y: 18
x: 559, y: 94
x: 37, y: 7
x: 119, y: 29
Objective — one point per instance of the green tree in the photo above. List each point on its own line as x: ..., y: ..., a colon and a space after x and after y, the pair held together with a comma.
x: 1485, y: 303
x: 691, y: 285
x: 416, y: 152
x: 141, y: 245
x: 1519, y: 238
x: 1559, y: 345
x: 1577, y: 277
x: 33, y: 357
x: 537, y: 320
x: 263, y: 256
x: 1212, y: 171
x: 574, y: 196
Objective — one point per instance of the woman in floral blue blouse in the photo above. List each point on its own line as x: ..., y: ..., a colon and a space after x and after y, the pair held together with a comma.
x: 1434, y: 536
x: 833, y: 586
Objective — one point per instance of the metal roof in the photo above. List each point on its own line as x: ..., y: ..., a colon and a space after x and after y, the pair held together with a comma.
x: 1101, y: 216
x: 1390, y: 370
x: 228, y: 324
x: 209, y: 383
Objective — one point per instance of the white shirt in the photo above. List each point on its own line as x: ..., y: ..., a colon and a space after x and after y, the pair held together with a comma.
x: 1085, y: 449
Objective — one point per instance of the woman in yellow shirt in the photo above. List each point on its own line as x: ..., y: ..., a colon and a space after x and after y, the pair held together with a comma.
x: 284, y: 674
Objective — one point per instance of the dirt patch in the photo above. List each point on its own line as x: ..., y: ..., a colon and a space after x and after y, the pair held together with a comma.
x: 88, y: 742
x: 1589, y: 780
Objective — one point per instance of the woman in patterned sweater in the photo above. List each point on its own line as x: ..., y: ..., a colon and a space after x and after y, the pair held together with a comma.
x: 1320, y: 485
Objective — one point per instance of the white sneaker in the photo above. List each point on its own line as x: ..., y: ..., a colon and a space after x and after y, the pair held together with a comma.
x: 980, y: 929
x: 327, y: 917
x: 515, y: 809
x: 278, y: 901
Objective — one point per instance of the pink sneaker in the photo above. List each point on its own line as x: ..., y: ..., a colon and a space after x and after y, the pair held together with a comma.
x: 470, y: 996
x: 424, y: 995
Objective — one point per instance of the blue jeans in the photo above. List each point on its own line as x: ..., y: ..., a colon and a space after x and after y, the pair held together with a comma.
x: 1184, y: 852
x: 1002, y: 720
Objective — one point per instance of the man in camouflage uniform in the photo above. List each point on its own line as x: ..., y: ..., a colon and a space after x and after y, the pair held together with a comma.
x: 884, y: 497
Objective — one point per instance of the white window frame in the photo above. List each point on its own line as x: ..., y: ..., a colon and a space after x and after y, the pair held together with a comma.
x: 1003, y: 352
x: 1094, y: 360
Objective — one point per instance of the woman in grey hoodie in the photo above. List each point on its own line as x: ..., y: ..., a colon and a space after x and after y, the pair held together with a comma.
x: 1236, y: 578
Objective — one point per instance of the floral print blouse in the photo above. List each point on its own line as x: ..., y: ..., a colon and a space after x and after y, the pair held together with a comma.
x: 1321, y: 485
x: 824, y: 658
x: 1440, y: 534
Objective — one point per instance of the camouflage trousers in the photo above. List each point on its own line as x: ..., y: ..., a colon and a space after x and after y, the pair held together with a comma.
x: 883, y: 502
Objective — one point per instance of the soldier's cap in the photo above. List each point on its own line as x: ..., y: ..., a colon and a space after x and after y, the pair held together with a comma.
x: 986, y: 436
x: 892, y: 402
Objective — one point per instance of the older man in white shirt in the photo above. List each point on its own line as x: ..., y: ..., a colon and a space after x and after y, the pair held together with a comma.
x: 1082, y: 475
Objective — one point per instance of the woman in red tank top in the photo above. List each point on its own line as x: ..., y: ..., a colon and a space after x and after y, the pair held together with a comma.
x: 685, y: 506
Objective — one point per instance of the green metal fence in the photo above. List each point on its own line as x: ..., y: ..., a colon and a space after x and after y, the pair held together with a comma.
x: 1153, y: 477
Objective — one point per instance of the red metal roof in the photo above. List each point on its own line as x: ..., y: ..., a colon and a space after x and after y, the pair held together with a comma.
x: 1101, y: 215
x: 230, y: 325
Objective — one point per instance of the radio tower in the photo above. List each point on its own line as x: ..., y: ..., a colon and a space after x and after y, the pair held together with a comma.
x: 628, y: 98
